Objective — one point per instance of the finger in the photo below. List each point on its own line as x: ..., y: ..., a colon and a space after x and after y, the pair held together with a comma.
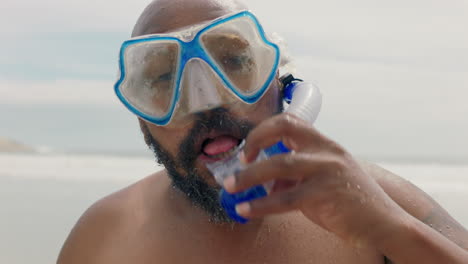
x: 291, y: 166
x: 274, y: 203
x: 278, y: 167
x: 292, y: 131
x: 283, y: 184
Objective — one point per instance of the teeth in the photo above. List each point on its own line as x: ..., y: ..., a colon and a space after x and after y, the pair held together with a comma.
x: 224, y: 155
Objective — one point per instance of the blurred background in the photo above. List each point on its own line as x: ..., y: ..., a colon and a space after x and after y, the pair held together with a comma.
x: 394, y: 76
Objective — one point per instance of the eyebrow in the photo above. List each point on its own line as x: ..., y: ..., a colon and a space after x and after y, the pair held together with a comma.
x: 169, y: 50
x: 231, y: 37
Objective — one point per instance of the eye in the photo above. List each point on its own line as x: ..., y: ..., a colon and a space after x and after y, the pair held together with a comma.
x: 162, y: 81
x: 233, y: 60
x: 165, y: 77
x: 237, y: 63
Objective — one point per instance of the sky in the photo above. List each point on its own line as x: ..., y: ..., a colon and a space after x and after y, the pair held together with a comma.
x: 394, y: 74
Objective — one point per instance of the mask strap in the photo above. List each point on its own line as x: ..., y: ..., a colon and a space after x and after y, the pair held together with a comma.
x: 289, y: 83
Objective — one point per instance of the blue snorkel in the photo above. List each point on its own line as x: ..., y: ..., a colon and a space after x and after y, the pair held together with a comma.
x: 305, y: 101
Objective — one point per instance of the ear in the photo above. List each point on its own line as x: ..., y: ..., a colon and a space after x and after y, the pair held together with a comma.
x: 278, y: 81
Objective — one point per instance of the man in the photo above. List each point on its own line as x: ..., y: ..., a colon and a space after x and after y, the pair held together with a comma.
x: 195, y: 103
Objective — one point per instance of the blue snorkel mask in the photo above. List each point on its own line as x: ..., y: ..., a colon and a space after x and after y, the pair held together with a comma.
x: 165, y: 78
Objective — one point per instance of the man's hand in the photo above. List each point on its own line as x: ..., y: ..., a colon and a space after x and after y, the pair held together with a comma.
x: 330, y: 188
x: 319, y: 178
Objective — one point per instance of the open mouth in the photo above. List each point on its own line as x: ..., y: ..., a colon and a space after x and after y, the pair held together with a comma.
x: 219, y: 147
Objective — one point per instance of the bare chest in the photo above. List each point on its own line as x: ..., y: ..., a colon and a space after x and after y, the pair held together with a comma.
x: 294, y: 244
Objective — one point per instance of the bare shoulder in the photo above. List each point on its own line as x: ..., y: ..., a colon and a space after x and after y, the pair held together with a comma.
x: 419, y: 204
x: 103, y: 223
x: 407, y: 195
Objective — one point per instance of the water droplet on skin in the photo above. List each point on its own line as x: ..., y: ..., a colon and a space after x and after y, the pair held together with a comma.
x: 262, y: 237
x: 286, y: 226
x: 358, y: 187
x: 385, y: 203
x: 362, y: 200
x: 348, y: 185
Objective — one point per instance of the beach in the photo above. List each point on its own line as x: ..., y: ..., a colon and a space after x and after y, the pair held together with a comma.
x: 42, y: 196
x: 393, y: 75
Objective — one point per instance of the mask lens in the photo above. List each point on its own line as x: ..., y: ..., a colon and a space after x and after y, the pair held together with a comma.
x: 241, y: 54
x: 152, y: 72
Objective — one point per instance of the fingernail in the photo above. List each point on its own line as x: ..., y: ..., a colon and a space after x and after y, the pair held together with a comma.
x: 242, y: 157
x: 229, y: 183
x: 243, y: 209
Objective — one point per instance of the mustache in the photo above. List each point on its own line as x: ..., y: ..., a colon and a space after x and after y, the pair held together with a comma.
x: 218, y: 120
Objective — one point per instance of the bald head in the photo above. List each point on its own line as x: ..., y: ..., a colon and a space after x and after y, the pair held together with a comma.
x: 162, y: 16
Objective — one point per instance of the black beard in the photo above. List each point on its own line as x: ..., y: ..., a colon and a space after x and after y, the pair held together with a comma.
x: 191, y: 182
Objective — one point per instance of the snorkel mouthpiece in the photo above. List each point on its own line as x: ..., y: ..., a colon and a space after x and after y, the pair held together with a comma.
x: 305, y: 102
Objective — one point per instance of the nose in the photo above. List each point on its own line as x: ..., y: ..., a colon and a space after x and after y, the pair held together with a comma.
x: 200, y: 87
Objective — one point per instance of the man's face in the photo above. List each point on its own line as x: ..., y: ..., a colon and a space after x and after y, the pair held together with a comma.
x: 209, y: 135
x: 182, y: 150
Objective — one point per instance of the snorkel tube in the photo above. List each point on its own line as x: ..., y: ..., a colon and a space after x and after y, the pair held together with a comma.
x: 305, y: 101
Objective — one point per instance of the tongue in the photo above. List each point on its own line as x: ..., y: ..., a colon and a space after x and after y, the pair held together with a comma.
x: 220, y: 145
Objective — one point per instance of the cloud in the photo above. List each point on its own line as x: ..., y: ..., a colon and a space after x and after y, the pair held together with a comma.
x: 23, y: 17
x: 58, y: 92
x: 361, y: 17
x: 70, y: 16
x: 379, y: 109
x: 418, y: 48
x: 389, y: 70
x: 392, y: 91
x: 306, y: 17
x: 429, y: 32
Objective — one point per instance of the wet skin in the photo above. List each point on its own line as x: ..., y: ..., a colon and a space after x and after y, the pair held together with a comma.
x: 338, y: 209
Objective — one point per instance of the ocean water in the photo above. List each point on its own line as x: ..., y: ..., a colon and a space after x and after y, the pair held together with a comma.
x: 42, y: 196
x: 114, y: 130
